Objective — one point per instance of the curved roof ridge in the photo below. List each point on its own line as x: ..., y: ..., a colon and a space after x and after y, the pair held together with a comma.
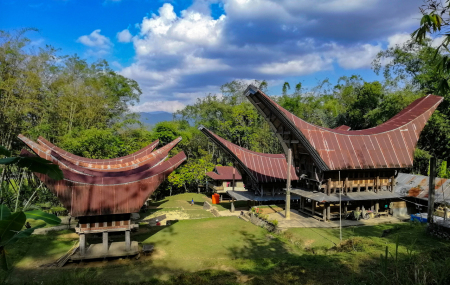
x: 389, y: 145
x: 433, y: 101
x: 260, y: 167
x: 113, y: 165
x: 87, y: 195
x: 143, y: 151
x: 66, y: 164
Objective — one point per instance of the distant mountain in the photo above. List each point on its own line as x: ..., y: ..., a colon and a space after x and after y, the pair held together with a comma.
x: 151, y: 118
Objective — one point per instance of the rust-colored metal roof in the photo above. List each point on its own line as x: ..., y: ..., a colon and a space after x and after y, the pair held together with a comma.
x: 261, y: 167
x: 411, y: 185
x: 224, y: 173
x: 46, y: 153
x: 389, y: 145
x: 146, y: 150
x: 343, y: 127
x: 139, y: 158
x: 84, y: 195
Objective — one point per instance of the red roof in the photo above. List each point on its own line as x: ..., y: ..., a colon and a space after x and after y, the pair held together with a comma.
x: 262, y: 167
x: 135, y: 160
x: 343, y: 127
x: 224, y: 173
x: 389, y: 145
x: 86, y: 192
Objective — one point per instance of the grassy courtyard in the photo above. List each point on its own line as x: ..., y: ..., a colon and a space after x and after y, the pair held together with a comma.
x: 179, y: 207
x: 228, y: 250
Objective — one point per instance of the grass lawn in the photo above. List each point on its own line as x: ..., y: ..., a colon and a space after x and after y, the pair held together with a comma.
x: 228, y: 250
x: 181, y: 201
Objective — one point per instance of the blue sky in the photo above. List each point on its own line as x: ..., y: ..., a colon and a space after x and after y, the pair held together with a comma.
x: 181, y: 50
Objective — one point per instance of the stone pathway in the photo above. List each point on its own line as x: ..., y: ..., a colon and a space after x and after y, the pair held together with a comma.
x: 228, y: 213
x: 299, y: 220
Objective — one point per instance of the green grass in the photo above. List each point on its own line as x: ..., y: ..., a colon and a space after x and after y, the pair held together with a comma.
x: 228, y: 250
x: 227, y: 205
x: 181, y: 201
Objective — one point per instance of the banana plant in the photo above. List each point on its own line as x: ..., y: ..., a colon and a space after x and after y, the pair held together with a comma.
x: 12, y: 228
x: 34, y: 164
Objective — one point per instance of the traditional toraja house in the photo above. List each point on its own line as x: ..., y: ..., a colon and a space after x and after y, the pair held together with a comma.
x: 225, y: 178
x: 263, y: 174
x: 363, y: 163
x: 103, y: 199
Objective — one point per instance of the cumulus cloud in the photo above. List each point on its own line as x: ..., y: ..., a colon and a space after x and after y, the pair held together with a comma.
x: 166, y: 106
x: 124, y: 36
x: 95, y: 39
x: 398, y: 39
x: 360, y: 56
x: 301, y: 66
x: 185, y: 54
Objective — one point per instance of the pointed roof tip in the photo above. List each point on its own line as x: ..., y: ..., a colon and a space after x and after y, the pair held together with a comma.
x: 251, y: 89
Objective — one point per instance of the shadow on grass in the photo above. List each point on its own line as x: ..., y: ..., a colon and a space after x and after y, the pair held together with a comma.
x: 266, y: 259
x: 159, y: 203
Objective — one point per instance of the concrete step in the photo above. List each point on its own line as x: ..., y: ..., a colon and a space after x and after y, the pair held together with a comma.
x: 244, y: 218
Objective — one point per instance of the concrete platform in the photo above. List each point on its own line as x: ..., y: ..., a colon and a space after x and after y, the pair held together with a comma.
x: 300, y: 220
x: 116, y: 249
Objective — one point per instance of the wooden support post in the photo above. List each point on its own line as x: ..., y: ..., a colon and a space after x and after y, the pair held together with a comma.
x: 288, y: 185
x: 127, y: 241
x: 346, y: 185
x: 232, y: 205
x: 367, y: 187
x: 392, y: 183
x: 329, y: 186
x: 431, y: 185
x: 82, y: 244
x: 359, y: 187
x: 328, y: 211
x: 324, y: 212
x: 105, y: 242
x: 372, y: 207
x: 234, y: 173
x: 377, y: 207
x: 378, y: 187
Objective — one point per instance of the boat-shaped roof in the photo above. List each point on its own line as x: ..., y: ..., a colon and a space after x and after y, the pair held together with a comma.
x: 261, y: 167
x: 389, y: 145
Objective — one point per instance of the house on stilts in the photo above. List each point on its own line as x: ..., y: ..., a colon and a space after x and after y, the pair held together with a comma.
x: 361, y: 165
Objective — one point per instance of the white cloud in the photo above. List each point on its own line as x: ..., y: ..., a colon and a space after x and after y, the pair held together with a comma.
x: 357, y: 56
x: 124, y: 36
x: 169, y: 34
x: 182, y: 55
x: 437, y: 41
x: 166, y: 106
x: 95, y: 39
x: 398, y: 39
x: 304, y: 65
